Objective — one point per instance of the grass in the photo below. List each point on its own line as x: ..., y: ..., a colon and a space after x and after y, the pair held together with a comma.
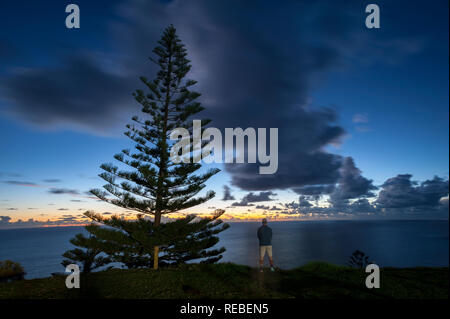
x: 226, y: 280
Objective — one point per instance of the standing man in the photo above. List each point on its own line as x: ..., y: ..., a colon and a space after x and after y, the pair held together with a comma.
x: 265, y: 244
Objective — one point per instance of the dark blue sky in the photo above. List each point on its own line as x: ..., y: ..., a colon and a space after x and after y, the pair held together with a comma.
x: 374, y: 100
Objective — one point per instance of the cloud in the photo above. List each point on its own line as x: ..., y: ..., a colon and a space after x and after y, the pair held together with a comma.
x: 4, y: 220
x: 362, y: 205
x: 361, y: 121
x: 273, y: 208
x: 52, y: 180
x: 241, y: 204
x: 315, y: 192
x: 6, y: 223
x: 59, y: 191
x: 10, y: 174
x: 399, y: 197
x: 303, y: 202
x: 400, y: 192
x: 444, y: 202
x: 227, y: 193
x: 351, y: 184
x: 270, y: 62
x: 93, y: 98
x: 22, y: 183
x: 253, y: 198
x: 271, y: 77
x: 261, y: 197
x: 360, y: 118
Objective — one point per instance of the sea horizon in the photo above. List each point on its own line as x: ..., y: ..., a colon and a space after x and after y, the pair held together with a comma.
x: 259, y: 221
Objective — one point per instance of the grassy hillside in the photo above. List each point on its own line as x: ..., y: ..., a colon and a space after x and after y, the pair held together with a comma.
x: 226, y: 280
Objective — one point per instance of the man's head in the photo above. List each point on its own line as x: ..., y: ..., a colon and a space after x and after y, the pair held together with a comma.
x: 264, y: 221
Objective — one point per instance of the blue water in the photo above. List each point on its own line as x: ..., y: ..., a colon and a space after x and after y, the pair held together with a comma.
x: 388, y: 243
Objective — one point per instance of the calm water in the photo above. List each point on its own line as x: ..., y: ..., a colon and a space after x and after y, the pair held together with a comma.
x: 388, y: 243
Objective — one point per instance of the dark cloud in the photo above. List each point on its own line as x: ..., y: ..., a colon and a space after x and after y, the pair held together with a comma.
x: 362, y: 205
x: 63, y: 209
x: 315, y: 190
x: 241, y: 204
x: 400, y: 192
x: 351, y: 184
x: 269, y: 56
x: 267, y: 207
x: 399, y: 197
x: 227, y: 193
x: 93, y: 99
x: 303, y: 202
x: 11, y: 208
x: 10, y: 174
x: 52, y: 180
x: 22, y: 183
x: 59, y: 191
x: 261, y: 197
x: 275, y: 208
x: 253, y: 198
x: 77, y: 201
x: 271, y: 76
x: 5, y: 222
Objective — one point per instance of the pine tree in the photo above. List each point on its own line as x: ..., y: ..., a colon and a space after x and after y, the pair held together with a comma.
x: 89, y: 252
x: 131, y: 242
x: 156, y: 185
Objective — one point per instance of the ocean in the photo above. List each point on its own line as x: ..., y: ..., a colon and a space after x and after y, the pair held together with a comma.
x: 388, y: 243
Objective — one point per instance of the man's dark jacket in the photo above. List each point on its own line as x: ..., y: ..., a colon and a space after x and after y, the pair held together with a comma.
x: 265, y: 235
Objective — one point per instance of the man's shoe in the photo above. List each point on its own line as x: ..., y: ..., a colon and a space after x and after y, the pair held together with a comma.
x: 261, y: 270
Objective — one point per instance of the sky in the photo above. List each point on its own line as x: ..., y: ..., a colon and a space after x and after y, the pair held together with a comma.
x: 362, y: 113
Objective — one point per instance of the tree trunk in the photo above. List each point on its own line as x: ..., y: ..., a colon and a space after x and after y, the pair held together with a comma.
x: 156, y: 248
x: 155, y: 258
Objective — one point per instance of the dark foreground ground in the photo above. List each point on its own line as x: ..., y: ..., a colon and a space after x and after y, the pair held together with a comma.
x: 314, y: 280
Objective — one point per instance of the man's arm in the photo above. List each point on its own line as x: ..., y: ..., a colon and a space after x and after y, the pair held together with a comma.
x: 258, y: 233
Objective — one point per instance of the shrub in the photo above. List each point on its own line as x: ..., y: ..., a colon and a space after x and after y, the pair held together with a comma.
x: 10, y: 270
x: 359, y: 259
